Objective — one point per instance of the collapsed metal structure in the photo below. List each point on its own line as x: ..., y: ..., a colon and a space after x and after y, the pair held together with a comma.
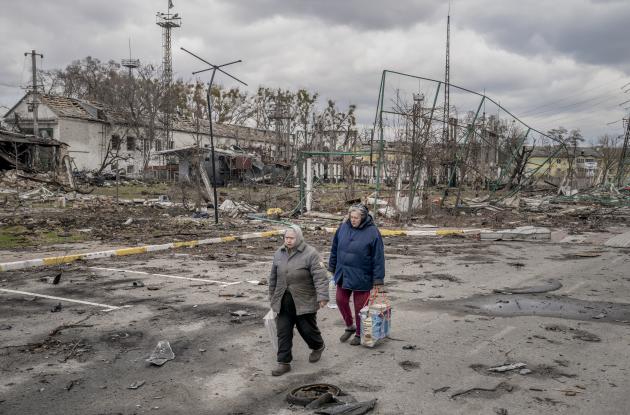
x: 413, y: 146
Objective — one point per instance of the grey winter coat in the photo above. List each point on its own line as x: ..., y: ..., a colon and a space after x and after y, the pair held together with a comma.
x: 300, y: 272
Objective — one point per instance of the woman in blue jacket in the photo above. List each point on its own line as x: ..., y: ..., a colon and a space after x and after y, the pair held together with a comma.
x: 357, y: 260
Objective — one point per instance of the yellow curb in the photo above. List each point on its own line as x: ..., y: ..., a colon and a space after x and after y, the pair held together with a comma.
x: 443, y: 232
x: 187, y: 244
x: 131, y: 251
x: 56, y: 260
x: 392, y: 232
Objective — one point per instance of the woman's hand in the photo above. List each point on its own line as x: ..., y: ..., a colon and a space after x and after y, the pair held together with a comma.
x: 323, y: 303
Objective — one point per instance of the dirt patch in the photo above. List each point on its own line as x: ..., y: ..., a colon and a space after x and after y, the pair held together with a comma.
x: 576, y: 333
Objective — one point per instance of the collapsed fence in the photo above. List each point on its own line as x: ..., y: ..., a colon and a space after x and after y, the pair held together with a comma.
x: 418, y: 145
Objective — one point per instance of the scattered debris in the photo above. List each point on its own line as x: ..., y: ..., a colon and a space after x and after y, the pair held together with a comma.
x: 506, y: 367
x: 305, y: 394
x: 322, y: 400
x: 502, y: 386
x: 161, y: 354
x: 235, y: 209
x: 128, y: 222
x: 57, y: 308
x: 408, y: 365
x: 410, y: 347
x: 57, y: 279
x: 240, y: 313
x: 137, y: 284
x: 136, y: 385
x: 358, y: 408
x: 524, y: 371
x: 523, y: 233
x: 5, y: 327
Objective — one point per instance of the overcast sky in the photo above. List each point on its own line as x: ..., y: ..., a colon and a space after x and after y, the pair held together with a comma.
x: 560, y: 62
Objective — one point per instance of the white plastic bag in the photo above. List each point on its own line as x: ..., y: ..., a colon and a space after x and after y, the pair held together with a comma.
x: 332, y: 293
x: 270, y: 324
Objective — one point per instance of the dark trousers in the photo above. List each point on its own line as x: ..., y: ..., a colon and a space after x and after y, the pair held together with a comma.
x: 306, y: 325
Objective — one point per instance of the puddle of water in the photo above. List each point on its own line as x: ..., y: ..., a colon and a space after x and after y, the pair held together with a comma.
x: 502, y: 305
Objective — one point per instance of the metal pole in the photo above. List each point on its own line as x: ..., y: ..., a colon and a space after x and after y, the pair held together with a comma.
x: 214, y: 175
x: 309, y: 184
x: 35, y: 98
x: 380, y: 155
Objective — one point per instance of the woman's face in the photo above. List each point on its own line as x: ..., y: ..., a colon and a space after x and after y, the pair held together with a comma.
x: 355, y: 219
x: 289, y: 239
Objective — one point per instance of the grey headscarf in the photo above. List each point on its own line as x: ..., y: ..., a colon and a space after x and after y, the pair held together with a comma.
x: 299, y: 238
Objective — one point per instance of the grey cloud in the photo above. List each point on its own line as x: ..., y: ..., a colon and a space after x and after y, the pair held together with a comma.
x: 356, y: 13
x: 593, y: 32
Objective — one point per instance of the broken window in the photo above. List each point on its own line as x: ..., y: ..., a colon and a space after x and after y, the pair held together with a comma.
x: 158, y: 145
x: 146, y: 145
x: 129, y: 169
x: 115, y: 142
x: 131, y: 143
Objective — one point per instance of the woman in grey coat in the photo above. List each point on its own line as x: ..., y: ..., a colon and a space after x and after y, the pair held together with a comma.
x: 298, y: 287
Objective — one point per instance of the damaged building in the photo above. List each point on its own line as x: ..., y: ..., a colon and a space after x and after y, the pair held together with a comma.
x: 32, y: 154
x: 104, y: 139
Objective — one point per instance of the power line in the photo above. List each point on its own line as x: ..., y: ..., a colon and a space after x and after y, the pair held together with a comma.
x: 572, y: 105
x: 569, y: 96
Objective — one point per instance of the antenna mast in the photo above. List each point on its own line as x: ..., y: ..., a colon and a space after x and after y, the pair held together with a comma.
x: 168, y: 21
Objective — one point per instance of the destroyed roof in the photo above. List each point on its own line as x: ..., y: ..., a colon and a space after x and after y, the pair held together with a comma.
x: 97, y: 112
x: 13, y: 137
x: 185, y: 151
x: 224, y: 130
x: 547, y: 151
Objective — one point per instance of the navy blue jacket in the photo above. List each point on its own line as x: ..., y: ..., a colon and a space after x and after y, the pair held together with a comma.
x: 357, y: 256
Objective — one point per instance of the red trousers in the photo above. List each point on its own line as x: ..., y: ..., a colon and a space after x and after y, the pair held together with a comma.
x: 343, y: 303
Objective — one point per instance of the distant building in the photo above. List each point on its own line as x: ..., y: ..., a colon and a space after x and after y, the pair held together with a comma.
x: 98, y: 136
x: 553, y: 164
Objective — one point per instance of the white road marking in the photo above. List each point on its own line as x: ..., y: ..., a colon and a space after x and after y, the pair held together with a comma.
x: 108, y: 307
x: 222, y: 283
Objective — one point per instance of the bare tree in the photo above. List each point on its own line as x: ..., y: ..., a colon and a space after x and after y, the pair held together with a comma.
x: 608, y: 147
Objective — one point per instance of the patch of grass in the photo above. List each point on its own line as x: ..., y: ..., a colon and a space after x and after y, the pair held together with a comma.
x: 14, y: 237
x: 55, y: 237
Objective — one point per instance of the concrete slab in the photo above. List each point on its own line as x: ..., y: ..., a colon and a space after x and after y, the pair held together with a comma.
x: 522, y: 233
x: 619, y: 241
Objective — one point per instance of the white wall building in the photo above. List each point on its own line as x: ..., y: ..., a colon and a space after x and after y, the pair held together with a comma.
x: 95, y: 134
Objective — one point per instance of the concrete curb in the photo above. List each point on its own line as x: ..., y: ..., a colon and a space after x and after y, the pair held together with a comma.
x: 436, y: 232
x: 66, y: 259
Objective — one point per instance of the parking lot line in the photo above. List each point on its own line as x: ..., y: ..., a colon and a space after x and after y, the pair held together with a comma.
x: 223, y: 283
x: 70, y: 300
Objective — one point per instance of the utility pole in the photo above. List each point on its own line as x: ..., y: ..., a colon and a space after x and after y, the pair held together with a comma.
x: 34, y: 96
x: 623, y: 157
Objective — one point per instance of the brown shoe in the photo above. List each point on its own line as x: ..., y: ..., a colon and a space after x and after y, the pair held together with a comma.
x: 281, y: 369
x: 356, y: 341
x: 316, y: 355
